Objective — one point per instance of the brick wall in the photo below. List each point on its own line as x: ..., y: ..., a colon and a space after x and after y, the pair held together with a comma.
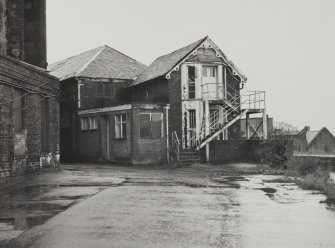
x: 147, y: 150
x: 225, y: 151
x: 3, y: 20
x: 23, y: 30
x: 16, y: 75
x: 6, y: 130
x: 175, y: 99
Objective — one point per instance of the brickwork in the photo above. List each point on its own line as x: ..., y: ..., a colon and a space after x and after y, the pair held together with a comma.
x: 102, y: 145
x: 225, y: 151
x: 3, y: 20
x: 23, y: 30
x: 20, y: 150
x: 147, y: 150
x: 175, y: 99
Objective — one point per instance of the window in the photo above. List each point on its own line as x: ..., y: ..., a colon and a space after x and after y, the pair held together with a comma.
x: 151, y: 125
x: 209, y: 71
x: 18, y: 110
x: 192, y: 117
x: 88, y: 123
x: 191, y: 82
x: 120, y: 126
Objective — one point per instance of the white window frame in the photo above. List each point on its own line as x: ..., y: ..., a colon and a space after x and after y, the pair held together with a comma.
x: 119, y: 123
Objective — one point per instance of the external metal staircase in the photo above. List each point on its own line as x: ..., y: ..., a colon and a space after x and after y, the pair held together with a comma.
x: 234, y: 107
x: 230, y: 109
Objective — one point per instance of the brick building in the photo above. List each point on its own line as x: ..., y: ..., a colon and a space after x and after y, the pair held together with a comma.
x: 29, y: 104
x: 23, y: 30
x: 314, y: 142
x: 114, y: 108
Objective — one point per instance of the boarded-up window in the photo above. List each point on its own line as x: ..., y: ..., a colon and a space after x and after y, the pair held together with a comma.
x: 18, y: 110
x: 151, y: 125
x: 120, y: 126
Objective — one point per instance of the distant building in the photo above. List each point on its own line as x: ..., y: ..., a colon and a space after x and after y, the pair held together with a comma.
x: 114, y: 108
x: 315, y: 142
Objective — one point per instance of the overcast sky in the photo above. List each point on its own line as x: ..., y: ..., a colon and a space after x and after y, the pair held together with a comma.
x: 285, y: 47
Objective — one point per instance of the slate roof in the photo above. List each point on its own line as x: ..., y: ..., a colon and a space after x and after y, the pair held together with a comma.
x: 165, y: 63
x: 310, y: 135
x: 101, y: 62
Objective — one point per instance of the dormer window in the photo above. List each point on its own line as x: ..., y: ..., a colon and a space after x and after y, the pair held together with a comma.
x: 191, y: 82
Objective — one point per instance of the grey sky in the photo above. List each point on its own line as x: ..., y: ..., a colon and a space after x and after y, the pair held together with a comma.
x: 286, y: 47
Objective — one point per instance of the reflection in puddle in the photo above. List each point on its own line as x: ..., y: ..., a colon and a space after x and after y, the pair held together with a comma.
x: 33, y: 205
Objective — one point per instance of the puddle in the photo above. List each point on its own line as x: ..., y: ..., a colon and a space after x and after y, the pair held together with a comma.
x: 269, y: 190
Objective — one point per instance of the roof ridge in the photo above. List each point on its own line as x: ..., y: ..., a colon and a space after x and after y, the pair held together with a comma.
x: 90, y: 61
x: 107, y: 46
x: 76, y: 55
x: 198, y: 41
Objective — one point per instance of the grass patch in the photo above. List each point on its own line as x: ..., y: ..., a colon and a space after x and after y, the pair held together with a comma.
x: 312, y: 174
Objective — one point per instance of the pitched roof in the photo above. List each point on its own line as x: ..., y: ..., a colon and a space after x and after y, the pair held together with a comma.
x: 101, y: 62
x: 164, y: 64
x: 311, y: 135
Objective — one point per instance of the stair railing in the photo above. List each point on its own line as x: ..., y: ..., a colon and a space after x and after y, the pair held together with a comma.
x: 253, y: 101
x: 175, y: 146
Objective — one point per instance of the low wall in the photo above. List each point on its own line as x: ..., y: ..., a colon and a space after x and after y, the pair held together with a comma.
x: 324, y: 161
x: 225, y: 151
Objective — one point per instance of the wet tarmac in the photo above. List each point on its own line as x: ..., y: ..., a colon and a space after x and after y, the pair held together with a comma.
x: 104, y: 206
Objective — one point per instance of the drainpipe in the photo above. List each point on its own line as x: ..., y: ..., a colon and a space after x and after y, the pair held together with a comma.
x: 207, y: 120
x: 167, y: 133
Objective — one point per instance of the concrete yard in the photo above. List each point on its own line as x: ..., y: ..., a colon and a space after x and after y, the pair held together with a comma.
x: 94, y: 205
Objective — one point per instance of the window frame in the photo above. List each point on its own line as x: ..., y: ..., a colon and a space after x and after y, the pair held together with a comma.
x: 190, y: 83
x: 192, y: 119
x: 122, y: 124
x: 88, y: 123
x: 150, y: 125
x: 207, y: 73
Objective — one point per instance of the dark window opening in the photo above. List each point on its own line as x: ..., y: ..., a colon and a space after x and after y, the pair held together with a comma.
x: 151, y: 125
x: 191, y: 82
x: 192, y: 118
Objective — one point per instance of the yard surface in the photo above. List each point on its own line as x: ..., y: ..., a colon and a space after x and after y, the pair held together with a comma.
x: 94, y: 205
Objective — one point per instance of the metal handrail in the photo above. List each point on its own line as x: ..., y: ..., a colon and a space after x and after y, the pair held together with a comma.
x: 255, y: 100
